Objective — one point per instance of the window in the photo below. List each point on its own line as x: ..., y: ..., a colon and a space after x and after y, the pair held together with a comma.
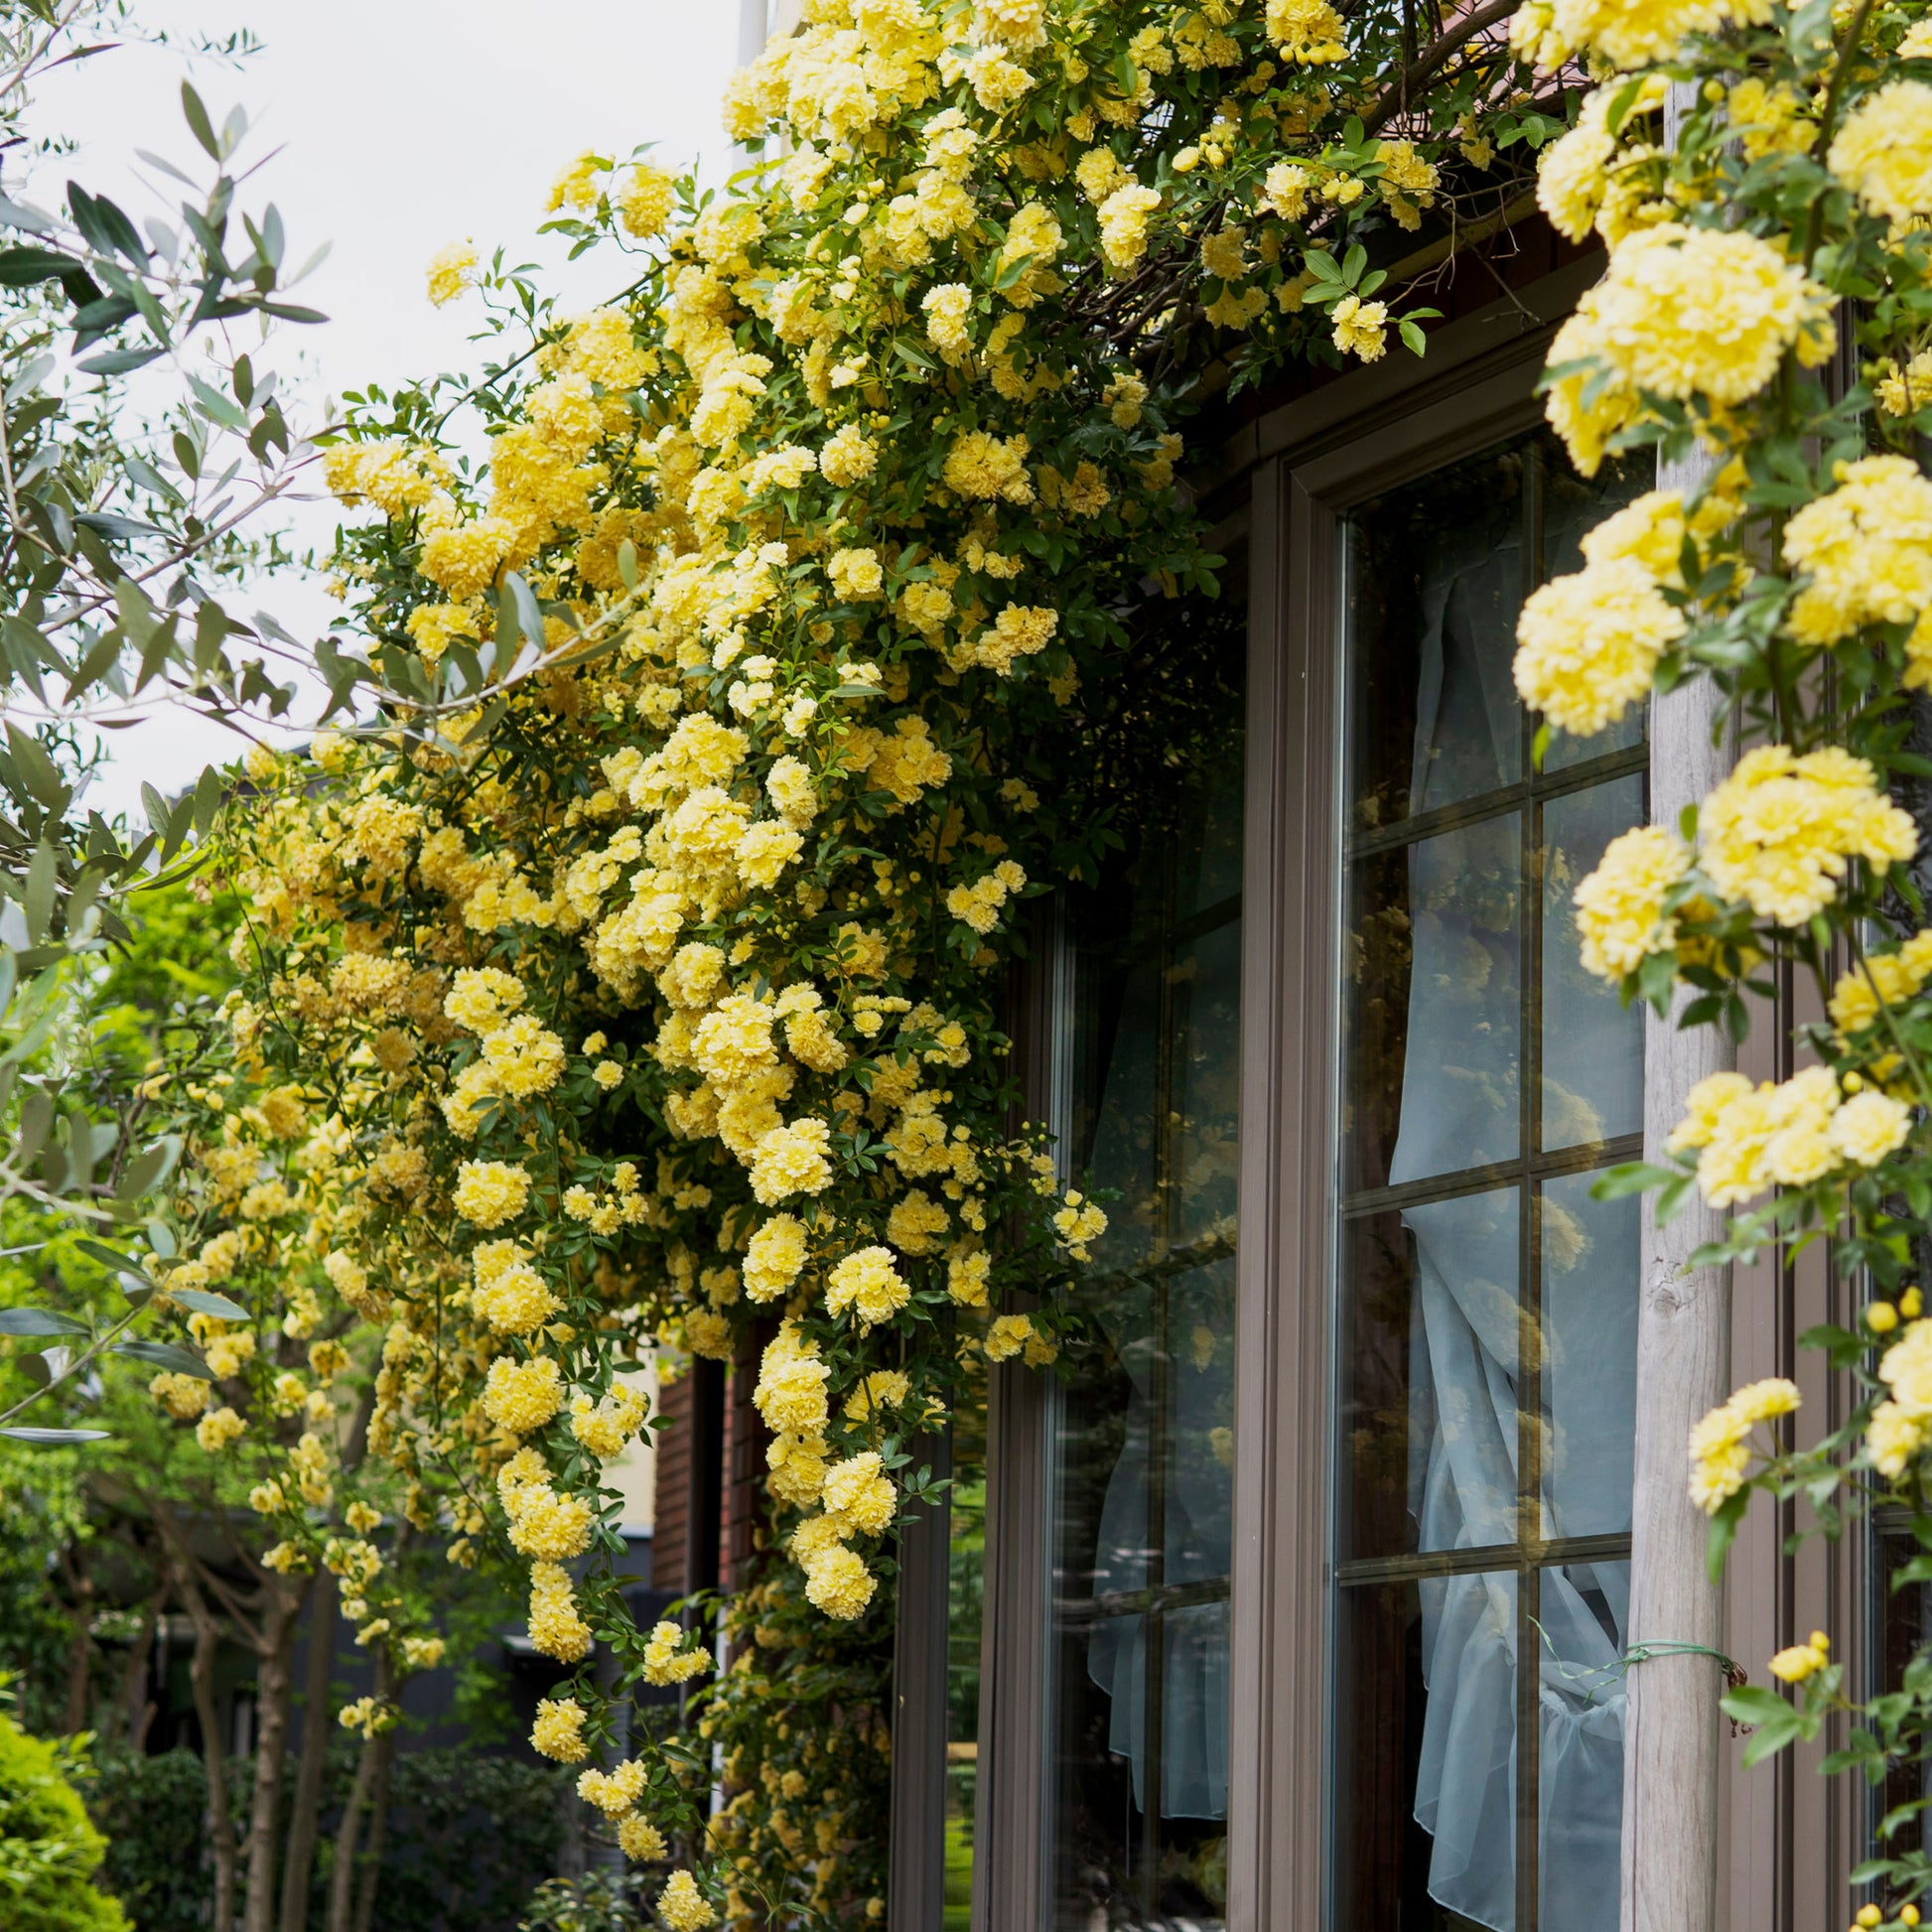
x: 1486, y: 1304
x: 1146, y: 1077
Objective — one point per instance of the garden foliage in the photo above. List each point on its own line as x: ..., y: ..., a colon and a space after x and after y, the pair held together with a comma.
x: 49, y: 1848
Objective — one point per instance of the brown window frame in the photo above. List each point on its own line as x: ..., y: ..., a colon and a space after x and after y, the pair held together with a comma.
x: 1785, y: 1839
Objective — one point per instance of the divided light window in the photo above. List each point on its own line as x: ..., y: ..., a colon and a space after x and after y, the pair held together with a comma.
x: 1487, y: 1304
x: 1146, y: 1066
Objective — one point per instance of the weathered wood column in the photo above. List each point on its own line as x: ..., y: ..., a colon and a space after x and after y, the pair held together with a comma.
x: 1672, y: 1721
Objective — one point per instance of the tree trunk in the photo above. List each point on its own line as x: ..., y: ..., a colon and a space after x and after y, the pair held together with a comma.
x: 341, y: 1875
x: 220, y: 1829
x: 385, y: 1757
x: 297, y: 1861
x: 137, y: 1707
x: 1671, y: 1765
x: 81, y: 1650
x: 273, y: 1685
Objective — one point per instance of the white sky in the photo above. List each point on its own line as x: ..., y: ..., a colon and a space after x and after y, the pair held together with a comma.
x: 400, y: 126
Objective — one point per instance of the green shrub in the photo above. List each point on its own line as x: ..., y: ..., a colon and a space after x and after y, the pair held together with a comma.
x: 49, y: 1848
x: 154, y: 1812
x: 600, y: 1902
x: 468, y: 1837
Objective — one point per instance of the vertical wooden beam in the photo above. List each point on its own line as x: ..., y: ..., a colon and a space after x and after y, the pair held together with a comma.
x: 1280, y: 1642
x: 1671, y: 1764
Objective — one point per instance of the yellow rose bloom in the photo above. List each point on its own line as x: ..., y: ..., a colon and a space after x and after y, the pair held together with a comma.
x: 1883, y: 150
x: 1589, y: 643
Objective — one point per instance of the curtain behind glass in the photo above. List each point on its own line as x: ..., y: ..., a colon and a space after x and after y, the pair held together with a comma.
x: 1461, y: 1106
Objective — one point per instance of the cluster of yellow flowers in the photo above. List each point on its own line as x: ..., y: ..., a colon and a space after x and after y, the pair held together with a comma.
x: 1776, y: 837
x: 655, y: 1003
x: 1901, y: 1426
x: 1788, y: 1134
x: 1721, y: 1452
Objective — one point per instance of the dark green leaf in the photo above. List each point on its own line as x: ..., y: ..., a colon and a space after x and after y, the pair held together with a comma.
x: 202, y: 1302
x: 148, y: 1169
x: 164, y: 1354
x: 197, y: 122
x: 20, y: 267
x: 39, y: 1321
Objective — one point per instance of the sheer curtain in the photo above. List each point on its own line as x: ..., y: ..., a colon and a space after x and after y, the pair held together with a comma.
x: 1460, y: 1108
x: 1193, y: 1674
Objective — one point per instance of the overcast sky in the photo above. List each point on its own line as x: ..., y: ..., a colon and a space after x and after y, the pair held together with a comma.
x: 395, y: 126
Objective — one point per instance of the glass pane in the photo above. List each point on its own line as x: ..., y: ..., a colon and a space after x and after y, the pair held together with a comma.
x: 1426, y: 1735
x: 1098, y: 1834
x: 1204, y: 1026
x: 1429, y: 1394
x: 1592, y: 1047
x: 1589, y: 1274
x: 1583, y: 1614
x: 1435, y: 577
x: 1475, y: 1049
x: 1120, y: 1719
x: 1150, y: 1048
x: 965, y: 1602
x: 1435, y: 948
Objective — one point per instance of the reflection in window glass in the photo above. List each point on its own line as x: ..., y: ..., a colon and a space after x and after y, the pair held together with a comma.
x: 1487, y: 1304
x: 965, y: 1600
x: 1149, y: 1073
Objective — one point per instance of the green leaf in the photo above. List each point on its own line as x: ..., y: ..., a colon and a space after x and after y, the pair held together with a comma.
x: 1724, y: 1532
x: 1632, y: 1178
x: 35, y: 1123
x: 148, y: 1169
x: 199, y: 123
x: 1754, y: 1704
x: 41, y: 775
x: 529, y: 616
x: 1771, y: 1738
x: 105, y: 226
x: 207, y: 800
x: 118, y: 362
x: 203, y: 1302
x: 22, y: 267
x: 164, y: 1354
x: 39, y: 1321
x: 112, y: 1257
x: 37, y: 897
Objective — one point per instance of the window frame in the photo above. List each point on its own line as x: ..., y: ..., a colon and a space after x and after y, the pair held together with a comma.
x: 1289, y: 479
x: 1354, y: 441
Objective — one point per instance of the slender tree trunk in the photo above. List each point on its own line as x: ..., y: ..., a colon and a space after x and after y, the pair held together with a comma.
x: 385, y: 1757
x: 341, y: 1874
x: 298, y: 1860
x: 137, y: 1707
x: 220, y: 1827
x: 81, y: 1650
x: 1671, y: 1762
x: 273, y: 1685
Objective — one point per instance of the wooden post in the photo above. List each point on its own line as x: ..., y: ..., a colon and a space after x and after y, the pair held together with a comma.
x: 1671, y: 1721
